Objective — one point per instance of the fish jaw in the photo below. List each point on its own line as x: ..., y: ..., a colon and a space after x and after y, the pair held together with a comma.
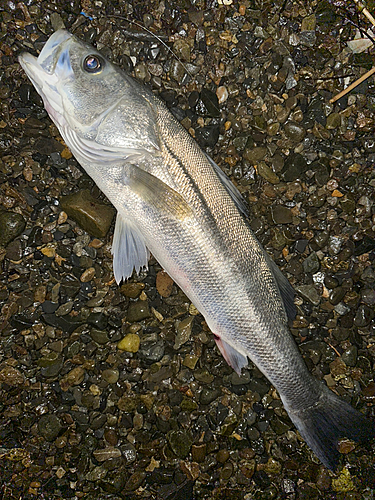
x: 48, y: 71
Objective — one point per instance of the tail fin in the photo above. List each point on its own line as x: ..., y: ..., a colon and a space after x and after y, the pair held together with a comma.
x: 329, y: 420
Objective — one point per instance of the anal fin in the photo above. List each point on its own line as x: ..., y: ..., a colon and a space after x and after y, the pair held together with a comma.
x: 128, y: 249
x: 234, y: 358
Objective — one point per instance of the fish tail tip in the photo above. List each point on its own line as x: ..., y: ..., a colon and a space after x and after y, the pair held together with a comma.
x: 323, y: 425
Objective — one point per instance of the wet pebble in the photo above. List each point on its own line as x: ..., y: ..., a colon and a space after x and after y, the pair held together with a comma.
x: 106, y: 453
x: 294, y: 131
x: 135, y: 481
x: 180, y: 443
x: 49, y: 427
x: 183, y: 331
x: 311, y: 264
x: 92, y: 215
x: 281, y: 215
x: 309, y: 292
x: 137, y: 311
x: 129, y: 343
x: 152, y: 352
x: 11, y: 226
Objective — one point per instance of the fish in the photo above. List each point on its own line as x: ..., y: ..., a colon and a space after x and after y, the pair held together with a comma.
x: 174, y: 201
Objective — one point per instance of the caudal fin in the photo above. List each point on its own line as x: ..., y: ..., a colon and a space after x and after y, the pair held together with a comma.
x: 325, y: 423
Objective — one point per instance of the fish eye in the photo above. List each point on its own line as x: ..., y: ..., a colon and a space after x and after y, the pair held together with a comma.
x: 93, y: 64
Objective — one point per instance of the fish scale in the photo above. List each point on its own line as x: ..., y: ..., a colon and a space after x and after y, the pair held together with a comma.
x: 174, y: 201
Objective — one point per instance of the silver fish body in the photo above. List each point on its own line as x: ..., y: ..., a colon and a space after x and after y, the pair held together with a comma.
x: 174, y: 201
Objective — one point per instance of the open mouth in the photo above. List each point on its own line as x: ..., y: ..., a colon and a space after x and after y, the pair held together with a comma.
x: 46, y: 71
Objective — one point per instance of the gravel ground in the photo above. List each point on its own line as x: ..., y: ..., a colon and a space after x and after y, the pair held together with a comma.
x: 111, y: 392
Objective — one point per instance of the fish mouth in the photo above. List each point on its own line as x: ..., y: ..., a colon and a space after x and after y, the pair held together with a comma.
x: 47, y: 70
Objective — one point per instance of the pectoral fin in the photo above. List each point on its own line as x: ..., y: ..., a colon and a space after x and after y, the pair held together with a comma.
x: 156, y: 193
x: 234, y: 358
x: 128, y: 249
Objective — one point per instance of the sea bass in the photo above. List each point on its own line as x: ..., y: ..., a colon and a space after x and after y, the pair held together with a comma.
x: 174, y: 201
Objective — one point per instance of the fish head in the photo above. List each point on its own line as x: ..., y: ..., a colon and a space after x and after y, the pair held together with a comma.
x: 101, y: 112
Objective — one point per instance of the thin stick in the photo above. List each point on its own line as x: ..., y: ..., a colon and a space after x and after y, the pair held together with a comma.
x: 362, y: 8
x: 353, y: 85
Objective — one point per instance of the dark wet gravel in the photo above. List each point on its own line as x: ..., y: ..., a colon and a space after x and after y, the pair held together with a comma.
x: 119, y: 392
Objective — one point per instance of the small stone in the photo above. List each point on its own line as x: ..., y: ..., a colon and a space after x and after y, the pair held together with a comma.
x: 74, y: 377
x: 255, y: 154
x: 87, y: 275
x: 98, y: 320
x: 294, y: 168
x: 164, y: 284
x: 272, y: 466
x: 226, y: 471
x: 135, y: 480
x: 111, y: 375
x: 14, y: 251
x: 99, y: 336
x: 11, y: 376
x: 308, y: 23
x: 96, y: 474
x: 130, y: 343
x: 333, y: 121
x: 281, y: 215
x: 183, y: 331
x: 198, y: 452
x: 294, y: 131
x: 11, y: 226
x: 190, y: 361
x: 309, y: 292
x: 203, y: 376
x: 51, y: 364
x: 222, y: 94
x: 311, y: 264
x: 127, y: 403
x: 137, y: 311
x: 343, y: 482
x: 129, y: 453
x: 132, y: 290
x: 208, y: 395
x: 180, y: 443
x: 222, y: 456
x: 267, y: 173
x: 209, y: 104
x: 107, y: 453
x: 152, y: 351
x: 92, y: 215
x: 49, y: 427
x: 363, y: 315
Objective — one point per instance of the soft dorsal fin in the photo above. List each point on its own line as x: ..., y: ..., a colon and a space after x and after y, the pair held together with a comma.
x: 286, y: 291
x: 231, y: 188
x: 128, y: 249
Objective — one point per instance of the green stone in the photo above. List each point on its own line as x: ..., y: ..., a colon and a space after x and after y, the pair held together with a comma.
x: 267, y: 173
x: 11, y: 226
x: 188, y: 404
x: 99, y: 336
x: 137, y: 311
x: 180, y: 443
x: 333, y: 121
x: 308, y: 23
x: 49, y: 427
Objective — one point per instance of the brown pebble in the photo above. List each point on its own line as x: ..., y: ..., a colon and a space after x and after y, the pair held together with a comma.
x: 111, y: 437
x: 346, y: 446
x: 87, y: 275
x: 11, y: 376
x: 222, y: 456
x: 164, y: 284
